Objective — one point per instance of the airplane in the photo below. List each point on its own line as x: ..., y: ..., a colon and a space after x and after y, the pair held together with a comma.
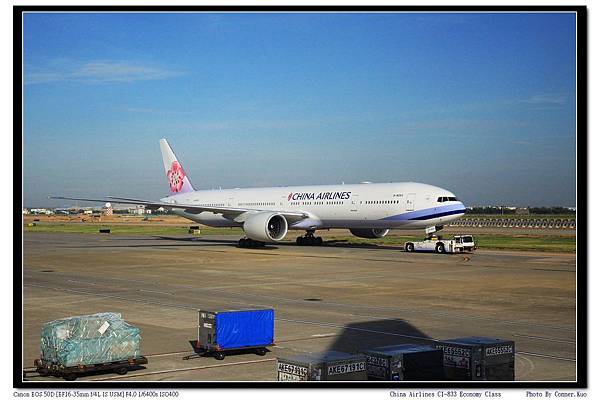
x: 368, y: 210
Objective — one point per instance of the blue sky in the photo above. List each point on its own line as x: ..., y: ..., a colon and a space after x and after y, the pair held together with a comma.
x: 480, y: 104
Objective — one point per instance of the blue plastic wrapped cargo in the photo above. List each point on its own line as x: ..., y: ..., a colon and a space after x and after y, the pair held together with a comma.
x: 89, y: 339
x: 220, y: 331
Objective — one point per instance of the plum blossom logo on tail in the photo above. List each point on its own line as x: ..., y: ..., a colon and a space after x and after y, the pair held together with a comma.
x: 175, y: 175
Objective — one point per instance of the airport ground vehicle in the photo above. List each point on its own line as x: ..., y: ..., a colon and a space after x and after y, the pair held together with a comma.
x: 45, y: 368
x: 458, y: 244
x: 222, y: 332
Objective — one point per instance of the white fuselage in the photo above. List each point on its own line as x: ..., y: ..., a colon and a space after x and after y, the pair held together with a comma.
x: 406, y: 205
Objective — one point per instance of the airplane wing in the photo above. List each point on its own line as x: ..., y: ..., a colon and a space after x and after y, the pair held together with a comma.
x: 237, y: 214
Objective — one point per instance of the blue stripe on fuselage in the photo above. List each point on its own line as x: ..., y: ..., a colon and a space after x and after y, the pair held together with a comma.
x: 428, y: 213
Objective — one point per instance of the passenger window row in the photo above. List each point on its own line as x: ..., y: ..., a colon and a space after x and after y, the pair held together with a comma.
x: 381, y: 202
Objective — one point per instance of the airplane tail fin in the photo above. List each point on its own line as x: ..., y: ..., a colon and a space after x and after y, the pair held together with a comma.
x: 178, y: 180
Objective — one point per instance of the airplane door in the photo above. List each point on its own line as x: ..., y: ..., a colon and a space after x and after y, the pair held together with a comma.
x: 410, y: 201
x: 354, y: 203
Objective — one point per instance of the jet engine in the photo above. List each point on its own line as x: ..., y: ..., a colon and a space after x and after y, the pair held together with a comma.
x: 266, y: 227
x: 372, y: 233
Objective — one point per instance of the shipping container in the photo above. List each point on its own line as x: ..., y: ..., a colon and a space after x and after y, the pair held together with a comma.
x: 405, y: 362
x: 326, y: 366
x: 478, y: 358
x: 221, y: 331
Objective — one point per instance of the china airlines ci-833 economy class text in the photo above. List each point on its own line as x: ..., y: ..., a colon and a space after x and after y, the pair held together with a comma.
x: 368, y: 210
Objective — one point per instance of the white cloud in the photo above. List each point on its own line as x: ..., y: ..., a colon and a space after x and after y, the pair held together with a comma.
x: 99, y: 72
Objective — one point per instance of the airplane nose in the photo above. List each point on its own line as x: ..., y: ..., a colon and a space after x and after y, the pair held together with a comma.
x: 463, y: 207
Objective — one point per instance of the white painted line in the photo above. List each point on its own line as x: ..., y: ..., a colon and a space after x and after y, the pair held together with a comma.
x: 166, y: 371
x: 154, y: 291
x: 324, y: 334
x: 74, y: 281
x: 545, y: 338
x: 546, y: 356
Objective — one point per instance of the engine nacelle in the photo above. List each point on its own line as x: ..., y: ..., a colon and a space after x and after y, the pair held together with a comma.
x: 266, y: 227
x: 372, y: 233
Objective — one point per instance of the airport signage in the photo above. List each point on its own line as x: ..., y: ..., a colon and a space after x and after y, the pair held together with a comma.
x: 346, y: 368
x: 319, y: 196
x: 498, y: 350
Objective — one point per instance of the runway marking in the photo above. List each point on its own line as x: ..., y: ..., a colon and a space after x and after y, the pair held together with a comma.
x: 166, y: 371
x: 295, y: 282
x: 546, y: 338
x: 546, y: 356
x: 321, y: 335
x: 87, y: 283
x: 290, y: 320
x: 154, y: 291
x: 553, y: 270
x: 357, y: 329
x: 326, y: 303
x: 531, y: 366
x: 167, y: 354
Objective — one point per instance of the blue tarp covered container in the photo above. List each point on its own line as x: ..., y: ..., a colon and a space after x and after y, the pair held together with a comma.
x: 222, y: 330
x: 89, y: 339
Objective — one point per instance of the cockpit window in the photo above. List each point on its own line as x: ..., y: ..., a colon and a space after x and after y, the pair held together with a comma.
x: 444, y: 199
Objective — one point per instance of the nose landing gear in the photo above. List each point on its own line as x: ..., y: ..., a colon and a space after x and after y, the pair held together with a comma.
x: 309, y: 239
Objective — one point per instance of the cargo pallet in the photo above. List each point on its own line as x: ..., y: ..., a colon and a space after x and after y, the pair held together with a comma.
x: 73, y: 372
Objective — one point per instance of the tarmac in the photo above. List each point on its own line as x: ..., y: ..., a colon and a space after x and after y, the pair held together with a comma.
x: 334, y: 297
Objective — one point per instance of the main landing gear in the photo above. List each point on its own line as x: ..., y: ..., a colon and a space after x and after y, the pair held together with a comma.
x: 309, y: 239
x: 249, y: 243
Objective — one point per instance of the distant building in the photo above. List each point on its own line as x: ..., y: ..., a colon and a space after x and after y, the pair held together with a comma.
x: 522, y: 211
x: 138, y: 210
x: 107, y: 209
x: 41, y: 211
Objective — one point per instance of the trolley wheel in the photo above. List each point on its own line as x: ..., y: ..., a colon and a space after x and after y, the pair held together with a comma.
x: 261, y: 351
x: 70, y: 376
x: 43, y: 371
x: 219, y: 355
x: 439, y: 248
x: 121, y: 370
x: 410, y: 247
